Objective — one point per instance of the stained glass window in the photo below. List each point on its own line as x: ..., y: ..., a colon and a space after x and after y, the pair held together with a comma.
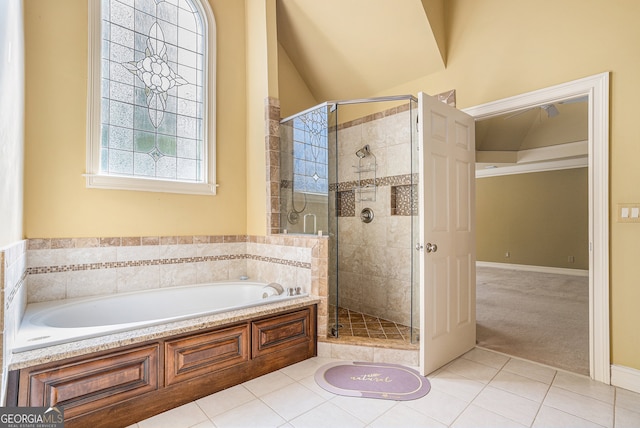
x: 310, y: 155
x: 154, y: 94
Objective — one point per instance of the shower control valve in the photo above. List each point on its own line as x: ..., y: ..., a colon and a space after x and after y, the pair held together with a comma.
x: 366, y: 215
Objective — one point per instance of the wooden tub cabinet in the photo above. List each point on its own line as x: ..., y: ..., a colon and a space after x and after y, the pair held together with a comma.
x: 123, y: 386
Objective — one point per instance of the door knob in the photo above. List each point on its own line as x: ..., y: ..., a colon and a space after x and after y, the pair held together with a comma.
x: 431, y: 248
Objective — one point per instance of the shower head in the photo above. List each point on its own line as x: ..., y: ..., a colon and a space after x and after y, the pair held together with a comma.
x: 363, y: 152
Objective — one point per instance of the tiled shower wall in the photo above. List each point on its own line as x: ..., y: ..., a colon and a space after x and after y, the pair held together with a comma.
x: 375, y: 258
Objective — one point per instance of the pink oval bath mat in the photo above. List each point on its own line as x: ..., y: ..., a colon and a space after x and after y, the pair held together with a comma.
x: 373, y: 380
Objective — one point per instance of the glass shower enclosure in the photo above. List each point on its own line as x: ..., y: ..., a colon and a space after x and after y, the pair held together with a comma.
x: 349, y: 171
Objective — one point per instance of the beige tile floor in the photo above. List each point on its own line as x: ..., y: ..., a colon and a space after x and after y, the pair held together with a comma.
x: 479, y: 389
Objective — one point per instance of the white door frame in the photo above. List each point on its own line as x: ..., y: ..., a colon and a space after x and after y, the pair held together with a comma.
x: 597, y: 89
x: 447, y: 232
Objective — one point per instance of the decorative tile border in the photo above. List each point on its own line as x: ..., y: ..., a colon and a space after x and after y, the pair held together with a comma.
x: 292, y: 263
x: 62, y: 243
x: 13, y: 276
x: 130, y: 241
x: 67, y: 243
x: 15, y: 290
x: 157, y: 262
x: 394, y: 180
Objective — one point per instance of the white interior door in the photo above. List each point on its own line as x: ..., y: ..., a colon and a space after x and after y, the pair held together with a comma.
x: 447, y: 222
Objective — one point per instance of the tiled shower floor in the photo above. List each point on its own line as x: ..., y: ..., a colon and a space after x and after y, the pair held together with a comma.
x: 356, y: 324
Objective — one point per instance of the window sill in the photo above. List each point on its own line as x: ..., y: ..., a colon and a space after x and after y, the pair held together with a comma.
x: 148, y: 185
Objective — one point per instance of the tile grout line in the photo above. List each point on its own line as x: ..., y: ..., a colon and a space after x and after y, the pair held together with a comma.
x: 544, y: 398
x: 476, y: 395
x: 485, y: 387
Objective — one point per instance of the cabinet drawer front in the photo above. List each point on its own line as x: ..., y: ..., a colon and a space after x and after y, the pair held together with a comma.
x: 281, y: 332
x: 89, y: 385
x: 193, y: 356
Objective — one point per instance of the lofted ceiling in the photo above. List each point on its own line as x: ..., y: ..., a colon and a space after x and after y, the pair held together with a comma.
x: 350, y: 49
x: 360, y: 48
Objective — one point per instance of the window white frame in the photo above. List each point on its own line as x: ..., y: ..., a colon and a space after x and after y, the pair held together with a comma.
x: 94, y: 179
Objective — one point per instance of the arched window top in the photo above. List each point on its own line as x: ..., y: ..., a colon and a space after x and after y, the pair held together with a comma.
x: 152, y: 82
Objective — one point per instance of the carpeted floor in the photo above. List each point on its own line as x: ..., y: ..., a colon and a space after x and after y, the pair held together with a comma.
x: 541, y: 317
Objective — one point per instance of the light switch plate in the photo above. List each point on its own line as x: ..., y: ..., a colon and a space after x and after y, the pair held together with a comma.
x: 628, y: 213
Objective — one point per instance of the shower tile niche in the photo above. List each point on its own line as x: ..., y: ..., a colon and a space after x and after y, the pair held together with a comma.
x: 404, y: 200
x: 346, y: 203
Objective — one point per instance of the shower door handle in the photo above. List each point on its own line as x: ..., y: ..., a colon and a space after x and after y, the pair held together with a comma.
x: 431, y: 248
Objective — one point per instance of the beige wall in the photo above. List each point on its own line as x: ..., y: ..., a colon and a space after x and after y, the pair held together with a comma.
x: 57, y: 204
x: 539, y: 218
x: 11, y: 122
x: 294, y: 94
x: 261, y: 82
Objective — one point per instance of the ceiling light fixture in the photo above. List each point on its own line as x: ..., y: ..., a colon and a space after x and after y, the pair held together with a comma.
x: 552, y: 110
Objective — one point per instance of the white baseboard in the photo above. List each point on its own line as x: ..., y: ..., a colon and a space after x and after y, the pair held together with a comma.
x: 625, y: 377
x: 530, y: 268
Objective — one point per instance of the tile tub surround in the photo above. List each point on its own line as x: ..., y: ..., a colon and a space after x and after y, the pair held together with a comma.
x: 13, y: 273
x: 54, y: 269
x: 81, y: 267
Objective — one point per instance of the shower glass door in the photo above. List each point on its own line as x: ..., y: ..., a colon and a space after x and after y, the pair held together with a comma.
x: 349, y: 170
x: 372, y: 188
x: 304, y: 172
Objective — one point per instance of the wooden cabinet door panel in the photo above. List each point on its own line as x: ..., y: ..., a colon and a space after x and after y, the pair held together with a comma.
x: 279, y: 332
x: 194, y: 356
x: 93, y: 384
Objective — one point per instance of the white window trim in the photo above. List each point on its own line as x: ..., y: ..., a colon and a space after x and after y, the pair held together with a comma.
x: 103, y: 181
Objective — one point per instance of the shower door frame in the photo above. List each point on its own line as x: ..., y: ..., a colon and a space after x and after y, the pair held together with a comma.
x: 415, y: 279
